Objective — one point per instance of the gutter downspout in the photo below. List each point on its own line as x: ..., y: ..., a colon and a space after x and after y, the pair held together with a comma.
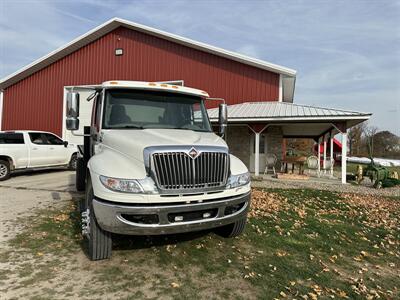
x: 1, y: 109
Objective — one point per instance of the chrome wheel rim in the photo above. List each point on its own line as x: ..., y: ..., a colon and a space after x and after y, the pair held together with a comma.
x: 3, y: 170
x: 86, y: 223
x: 73, y: 162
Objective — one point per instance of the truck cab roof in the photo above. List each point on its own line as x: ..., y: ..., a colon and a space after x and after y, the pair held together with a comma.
x: 28, y: 131
x: 154, y: 86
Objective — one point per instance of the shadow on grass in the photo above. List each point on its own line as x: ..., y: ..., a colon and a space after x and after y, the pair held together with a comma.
x: 130, y: 242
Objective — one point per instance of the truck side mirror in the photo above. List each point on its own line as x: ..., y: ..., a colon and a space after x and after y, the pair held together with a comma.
x: 223, y: 119
x: 72, y: 111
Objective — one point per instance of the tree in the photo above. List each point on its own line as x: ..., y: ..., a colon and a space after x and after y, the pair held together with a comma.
x: 355, y: 136
x: 386, y: 144
x: 370, y: 134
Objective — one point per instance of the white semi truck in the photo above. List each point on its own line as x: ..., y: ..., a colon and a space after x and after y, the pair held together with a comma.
x: 151, y: 165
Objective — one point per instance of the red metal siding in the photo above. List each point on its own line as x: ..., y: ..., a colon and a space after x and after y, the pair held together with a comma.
x: 36, y: 102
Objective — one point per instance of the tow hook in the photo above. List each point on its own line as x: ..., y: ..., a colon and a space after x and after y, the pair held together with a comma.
x: 86, y: 223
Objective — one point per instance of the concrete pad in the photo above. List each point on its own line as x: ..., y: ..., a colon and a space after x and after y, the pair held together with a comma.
x: 25, y: 192
x: 49, y: 180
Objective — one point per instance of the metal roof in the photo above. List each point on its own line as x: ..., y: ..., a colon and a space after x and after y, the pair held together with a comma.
x: 114, y: 23
x: 283, y: 111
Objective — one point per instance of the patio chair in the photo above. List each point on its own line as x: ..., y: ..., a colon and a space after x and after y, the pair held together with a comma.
x: 328, y: 164
x: 270, y: 162
x: 312, y: 164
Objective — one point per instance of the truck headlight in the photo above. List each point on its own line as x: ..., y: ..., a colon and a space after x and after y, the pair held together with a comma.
x: 140, y: 186
x: 121, y: 185
x: 238, y: 180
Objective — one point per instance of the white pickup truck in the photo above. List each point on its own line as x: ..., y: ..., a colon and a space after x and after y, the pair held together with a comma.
x: 33, y: 150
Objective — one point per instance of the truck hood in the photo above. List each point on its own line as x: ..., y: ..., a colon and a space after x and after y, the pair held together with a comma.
x: 132, y: 142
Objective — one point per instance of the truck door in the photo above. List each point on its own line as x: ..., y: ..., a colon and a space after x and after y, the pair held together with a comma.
x: 95, y: 123
x: 38, y: 149
x: 57, y: 152
x: 85, y: 113
x: 13, y: 143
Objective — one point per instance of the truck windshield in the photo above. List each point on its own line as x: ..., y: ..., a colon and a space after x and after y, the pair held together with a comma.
x: 126, y: 109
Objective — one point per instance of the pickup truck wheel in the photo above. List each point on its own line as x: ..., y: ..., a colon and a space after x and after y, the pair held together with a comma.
x: 80, y: 175
x: 232, y: 230
x: 4, y: 170
x: 98, y: 241
x: 73, y: 162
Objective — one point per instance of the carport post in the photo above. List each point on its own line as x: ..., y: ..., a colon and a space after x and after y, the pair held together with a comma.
x: 344, y: 155
x: 319, y: 156
x: 257, y: 154
x: 257, y: 129
x: 331, y: 152
x: 324, y: 161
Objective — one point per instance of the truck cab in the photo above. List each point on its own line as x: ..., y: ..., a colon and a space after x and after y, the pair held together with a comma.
x: 152, y: 165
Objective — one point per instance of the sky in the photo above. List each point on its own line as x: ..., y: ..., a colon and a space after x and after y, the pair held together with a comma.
x: 346, y: 53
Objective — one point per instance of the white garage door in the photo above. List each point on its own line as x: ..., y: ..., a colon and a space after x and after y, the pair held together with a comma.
x: 85, y: 114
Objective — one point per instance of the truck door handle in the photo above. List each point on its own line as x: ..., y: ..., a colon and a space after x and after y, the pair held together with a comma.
x: 51, y: 148
x: 34, y: 148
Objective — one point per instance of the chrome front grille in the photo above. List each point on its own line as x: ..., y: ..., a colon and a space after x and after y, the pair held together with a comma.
x: 179, y: 171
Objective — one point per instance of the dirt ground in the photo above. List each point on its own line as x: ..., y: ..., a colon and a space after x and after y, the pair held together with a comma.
x: 24, y: 192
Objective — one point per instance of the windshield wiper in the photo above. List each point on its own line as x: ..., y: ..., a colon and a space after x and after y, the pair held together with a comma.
x: 183, y: 128
x: 130, y: 127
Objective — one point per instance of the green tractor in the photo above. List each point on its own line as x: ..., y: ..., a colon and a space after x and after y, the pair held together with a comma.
x: 379, y: 176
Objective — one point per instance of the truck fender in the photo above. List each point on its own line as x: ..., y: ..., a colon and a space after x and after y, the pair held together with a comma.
x: 10, y: 161
x: 237, y: 166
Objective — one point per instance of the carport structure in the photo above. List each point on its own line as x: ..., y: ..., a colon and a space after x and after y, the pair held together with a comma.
x: 293, y: 121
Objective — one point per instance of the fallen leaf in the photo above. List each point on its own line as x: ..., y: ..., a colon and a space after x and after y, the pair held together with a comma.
x: 175, y: 285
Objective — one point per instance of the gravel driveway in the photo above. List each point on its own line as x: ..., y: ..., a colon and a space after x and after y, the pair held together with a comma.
x: 326, y: 185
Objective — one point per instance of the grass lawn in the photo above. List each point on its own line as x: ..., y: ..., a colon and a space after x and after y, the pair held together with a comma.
x: 302, y: 244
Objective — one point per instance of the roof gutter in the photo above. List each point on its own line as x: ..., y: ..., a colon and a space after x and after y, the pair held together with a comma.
x: 294, y: 119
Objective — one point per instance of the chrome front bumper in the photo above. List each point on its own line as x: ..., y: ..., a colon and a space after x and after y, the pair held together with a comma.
x: 166, y: 218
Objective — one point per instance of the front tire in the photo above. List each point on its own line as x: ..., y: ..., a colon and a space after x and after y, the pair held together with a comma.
x: 4, y: 170
x: 232, y: 230
x: 98, y: 242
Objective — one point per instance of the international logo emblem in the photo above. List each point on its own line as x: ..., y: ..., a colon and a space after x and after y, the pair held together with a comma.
x: 193, y: 153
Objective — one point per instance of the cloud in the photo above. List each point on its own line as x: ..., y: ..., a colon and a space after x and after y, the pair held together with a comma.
x: 347, y: 53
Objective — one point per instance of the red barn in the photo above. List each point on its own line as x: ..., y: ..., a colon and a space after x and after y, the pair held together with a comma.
x: 33, y: 96
x: 259, y: 93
